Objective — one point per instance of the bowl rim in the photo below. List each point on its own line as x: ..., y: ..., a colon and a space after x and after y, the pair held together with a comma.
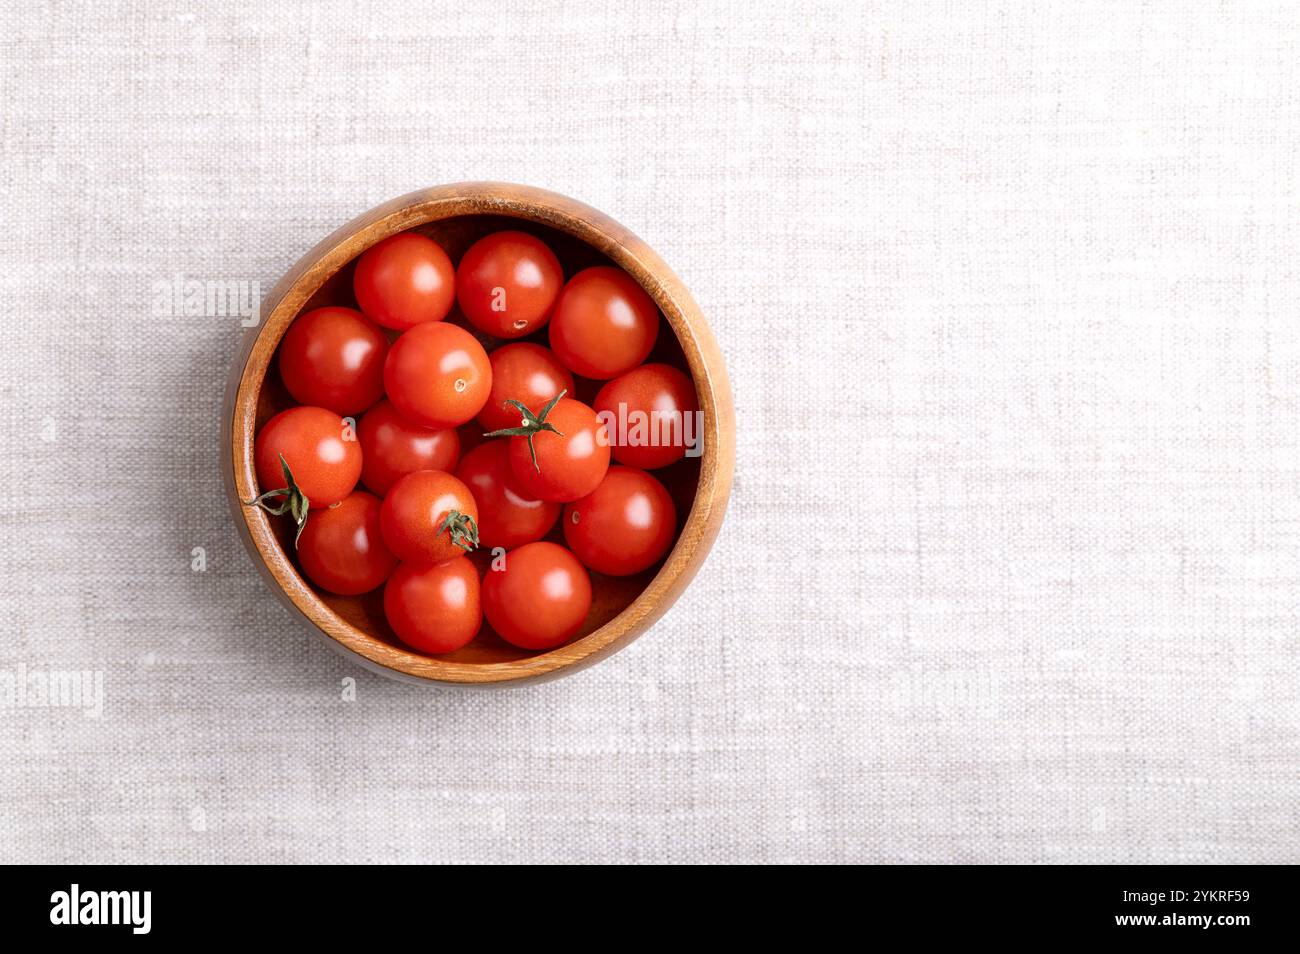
x: 574, y: 218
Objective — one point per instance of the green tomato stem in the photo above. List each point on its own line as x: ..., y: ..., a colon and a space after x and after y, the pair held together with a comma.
x: 463, y: 530
x: 531, y: 425
x: 295, y: 502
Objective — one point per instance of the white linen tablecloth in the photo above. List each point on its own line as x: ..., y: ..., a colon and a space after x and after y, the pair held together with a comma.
x: 1010, y: 297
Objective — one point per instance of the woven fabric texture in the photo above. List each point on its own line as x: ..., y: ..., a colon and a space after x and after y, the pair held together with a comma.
x: 1010, y: 297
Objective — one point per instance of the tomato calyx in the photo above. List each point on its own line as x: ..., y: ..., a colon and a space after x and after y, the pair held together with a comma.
x: 295, y: 502
x: 462, y: 528
x: 531, y: 425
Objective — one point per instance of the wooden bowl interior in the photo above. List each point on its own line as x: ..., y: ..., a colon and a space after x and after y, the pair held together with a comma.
x: 610, y: 595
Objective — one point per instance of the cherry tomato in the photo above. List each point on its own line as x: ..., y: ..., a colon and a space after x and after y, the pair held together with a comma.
x: 392, y: 447
x: 650, y: 412
x: 506, y: 517
x: 341, y: 549
x: 624, y: 525
x: 507, y: 283
x: 604, y: 323
x: 438, y: 375
x: 522, y: 372
x: 320, y: 449
x: 405, y: 280
x: 334, y: 358
x: 435, y: 608
x: 560, y: 454
x: 539, y: 597
x: 429, y: 516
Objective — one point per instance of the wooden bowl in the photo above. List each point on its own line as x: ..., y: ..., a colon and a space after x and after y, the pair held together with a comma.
x: 455, y: 216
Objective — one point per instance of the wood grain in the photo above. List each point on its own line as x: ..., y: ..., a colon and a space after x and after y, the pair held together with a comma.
x: 456, y: 215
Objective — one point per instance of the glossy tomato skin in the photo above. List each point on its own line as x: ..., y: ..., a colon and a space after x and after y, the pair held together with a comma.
x: 438, y: 375
x: 434, y: 607
x: 507, y: 518
x: 659, y: 395
x: 539, y: 597
x: 320, y: 449
x: 334, y: 358
x: 604, y: 323
x: 405, y: 280
x: 507, y: 283
x: 414, y: 511
x: 623, y: 526
x: 522, y: 372
x: 568, y: 466
x: 392, y: 447
x: 341, y: 548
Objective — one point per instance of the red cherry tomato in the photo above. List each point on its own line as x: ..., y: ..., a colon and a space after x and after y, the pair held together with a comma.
x: 341, y: 549
x: 624, y: 525
x: 434, y: 608
x: 539, y: 597
x: 405, y: 280
x: 604, y: 323
x: 334, y: 358
x: 506, y: 518
x: 507, y: 283
x: 429, y: 516
x: 522, y: 372
x: 571, y: 448
x: 650, y: 412
x: 392, y: 447
x: 438, y: 375
x: 320, y: 449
